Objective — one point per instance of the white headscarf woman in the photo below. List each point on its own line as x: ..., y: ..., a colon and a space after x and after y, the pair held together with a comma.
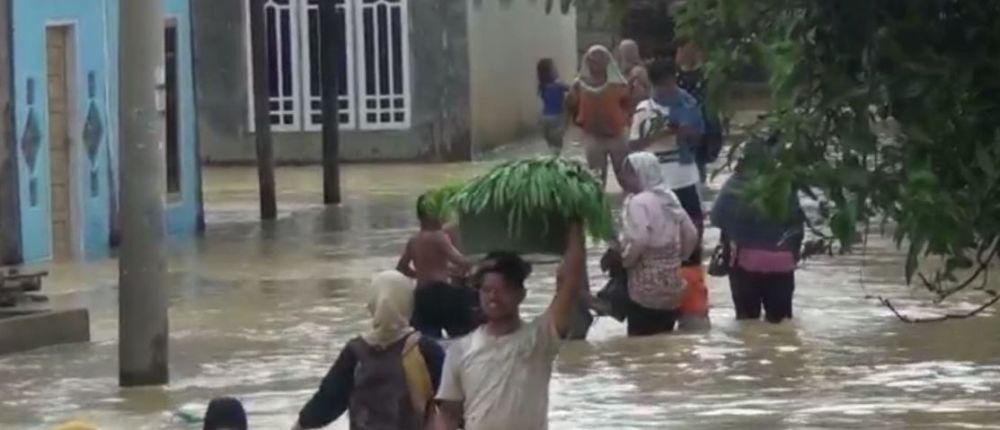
x: 649, y: 175
x: 628, y: 55
x: 344, y: 389
x: 599, y: 69
x: 599, y: 103
x: 657, y: 234
x: 390, y: 306
x: 635, y: 71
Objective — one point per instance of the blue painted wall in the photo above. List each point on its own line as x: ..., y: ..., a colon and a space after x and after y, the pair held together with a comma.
x: 96, y: 33
x: 182, y: 216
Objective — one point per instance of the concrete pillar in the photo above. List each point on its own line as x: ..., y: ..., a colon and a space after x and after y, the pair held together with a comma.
x: 142, y: 303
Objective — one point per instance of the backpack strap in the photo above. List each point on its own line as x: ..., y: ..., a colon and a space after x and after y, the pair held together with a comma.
x: 418, y: 379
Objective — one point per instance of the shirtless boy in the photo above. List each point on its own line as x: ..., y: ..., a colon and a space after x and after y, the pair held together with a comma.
x: 430, y: 257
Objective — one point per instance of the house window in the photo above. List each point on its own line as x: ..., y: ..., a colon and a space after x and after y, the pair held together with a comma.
x: 383, y: 84
x: 282, y: 56
x: 172, y: 126
x: 372, y: 68
x: 345, y: 65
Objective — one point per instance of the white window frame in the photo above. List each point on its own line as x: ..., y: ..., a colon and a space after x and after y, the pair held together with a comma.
x: 347, y: 7
x: 356, y: 108
x: 296, y: 97
x: 361, y: 84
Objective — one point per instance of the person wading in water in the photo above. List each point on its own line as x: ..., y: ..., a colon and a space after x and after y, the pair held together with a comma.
x: 670, y: 125
x: 497, y: 377
x: 385, y: 378
x: 635, y: 70
x: 691, y: 78
x: 656, y: 236
x: 439, y: 306
x: 552, y: 91
x: 600, y: 104
x: 764, y: 250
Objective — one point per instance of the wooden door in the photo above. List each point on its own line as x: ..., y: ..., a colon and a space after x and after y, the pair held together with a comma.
x: 59, y: 48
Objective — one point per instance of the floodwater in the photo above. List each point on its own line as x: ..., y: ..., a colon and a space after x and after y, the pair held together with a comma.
x: 260, y: 312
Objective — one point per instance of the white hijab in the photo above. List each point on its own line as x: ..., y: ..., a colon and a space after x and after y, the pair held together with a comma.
x: 628, y: 55
x: 650, y: 173
x: 391, y: 306
x: 614, y: 73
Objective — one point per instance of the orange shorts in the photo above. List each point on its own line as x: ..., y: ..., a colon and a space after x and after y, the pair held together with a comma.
x: 696, y: 300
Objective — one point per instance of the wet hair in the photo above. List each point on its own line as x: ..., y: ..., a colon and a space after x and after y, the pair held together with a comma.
x: 546, y: 70
x: 509, y: 265
x: 422, y: 214
x: 661, y: 70
x: 225, y: 413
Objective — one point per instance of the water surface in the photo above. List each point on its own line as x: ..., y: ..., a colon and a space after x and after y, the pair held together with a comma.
x: 260, y: 312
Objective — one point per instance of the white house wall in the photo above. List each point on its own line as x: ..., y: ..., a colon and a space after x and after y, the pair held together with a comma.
x: 506, y: 40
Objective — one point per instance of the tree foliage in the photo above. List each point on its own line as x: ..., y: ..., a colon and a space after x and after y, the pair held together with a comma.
x: 891, y: 109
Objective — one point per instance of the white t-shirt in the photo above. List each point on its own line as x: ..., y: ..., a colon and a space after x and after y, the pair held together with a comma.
x: 502, y: 381
x: 677, y: 175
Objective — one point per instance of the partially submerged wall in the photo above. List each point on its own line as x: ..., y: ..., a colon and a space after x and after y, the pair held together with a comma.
x: 25, y: 331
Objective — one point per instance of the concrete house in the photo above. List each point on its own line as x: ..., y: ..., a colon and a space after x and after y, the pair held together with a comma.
x: 419, y: 79
x: 63, y: 145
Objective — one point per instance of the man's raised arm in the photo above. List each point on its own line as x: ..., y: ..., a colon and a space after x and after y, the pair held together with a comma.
x: 571, y: 281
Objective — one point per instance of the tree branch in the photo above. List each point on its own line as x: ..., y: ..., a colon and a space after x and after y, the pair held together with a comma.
x: 885, y: 302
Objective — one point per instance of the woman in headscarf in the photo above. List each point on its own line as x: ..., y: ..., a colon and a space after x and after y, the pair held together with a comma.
x: 385, y: 378
x: 657, y: 235
x: 600, y: 105
x: 635, y: 71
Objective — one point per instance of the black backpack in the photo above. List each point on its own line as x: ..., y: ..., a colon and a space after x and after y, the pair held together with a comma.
x: 380, y: 399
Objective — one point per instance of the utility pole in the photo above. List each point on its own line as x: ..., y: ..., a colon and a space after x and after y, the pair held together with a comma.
x: 331, y: 39
x: 262, y: 110
x: 10, y: 211
x: 143, y: 329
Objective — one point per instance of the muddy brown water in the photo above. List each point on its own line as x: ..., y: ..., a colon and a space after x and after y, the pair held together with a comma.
x: 260, y: 312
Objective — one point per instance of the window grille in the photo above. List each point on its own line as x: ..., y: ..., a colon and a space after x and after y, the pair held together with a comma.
x: 373, y: 68
x: 384, y: 87
x: 283, y: 65
x: 311, y: 78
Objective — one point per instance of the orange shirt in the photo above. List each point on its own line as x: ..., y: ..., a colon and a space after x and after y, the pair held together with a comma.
x: 696, y: 299
x: 605, y: 110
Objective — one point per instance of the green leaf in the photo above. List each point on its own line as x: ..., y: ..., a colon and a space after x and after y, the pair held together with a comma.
x: 546, y: 186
